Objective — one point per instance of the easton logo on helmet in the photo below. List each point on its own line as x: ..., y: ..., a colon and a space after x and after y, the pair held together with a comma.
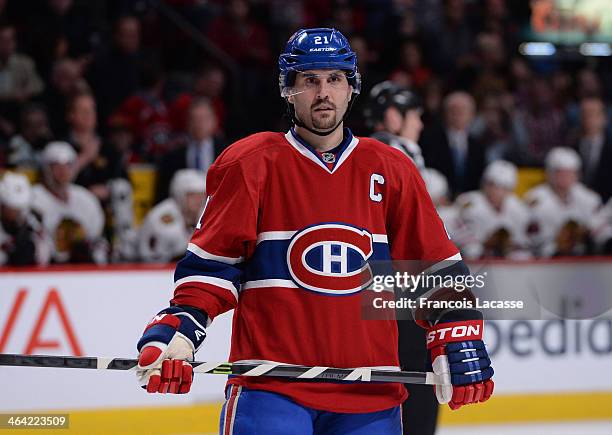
x: 331, y: 258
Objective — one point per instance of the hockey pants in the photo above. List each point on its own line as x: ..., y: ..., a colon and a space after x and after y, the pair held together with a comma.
x: 256, y: 412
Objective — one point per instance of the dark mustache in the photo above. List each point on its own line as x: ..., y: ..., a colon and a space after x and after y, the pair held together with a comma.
x: 323, y: 104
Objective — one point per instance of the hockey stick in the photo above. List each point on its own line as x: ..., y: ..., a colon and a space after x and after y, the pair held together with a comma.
x: 362, y: 374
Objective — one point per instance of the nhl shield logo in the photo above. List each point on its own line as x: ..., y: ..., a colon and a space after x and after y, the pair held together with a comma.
x: 331, y: 258
x: 328, y: 157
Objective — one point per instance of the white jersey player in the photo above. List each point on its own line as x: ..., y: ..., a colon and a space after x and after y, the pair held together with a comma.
x: 71, y: 214
x: 167, y: 228
x: 601, y: 229
x: 561, y: 208
x: 496, y: 219
x: 23, y: 240
x: 437, y: 187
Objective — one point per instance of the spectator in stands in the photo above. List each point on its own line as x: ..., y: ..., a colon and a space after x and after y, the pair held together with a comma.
x: 82, y: 135
x: 62, y: 28
x: 437, y: 187
x: 168, y: 226
x: 34, y: 133
x: 241, y: 37
x: 114, y: 74
x: 411, y: 71
x: 594, y: 145
x: 209, y: 83
x: 23, y: 241
x: 70, y: 213
x: 498, y: 127
x: 495, y: 219
x: 562, y: 208
x: 544, y: 123
x: 19, y: 80
x: 197, y: 150
x: 66, y: 81
x: 488, y: 68
x: 116, y: 151
x: 451, y: 149
x: 148, y: 115
x: 450, y: 40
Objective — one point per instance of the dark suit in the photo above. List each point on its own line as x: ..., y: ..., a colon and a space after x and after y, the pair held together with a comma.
x: 173, y: 161
x: 598, y: 177
x: 438, y: 154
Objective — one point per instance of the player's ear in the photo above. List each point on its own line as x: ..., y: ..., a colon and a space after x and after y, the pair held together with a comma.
x: 290, y: 99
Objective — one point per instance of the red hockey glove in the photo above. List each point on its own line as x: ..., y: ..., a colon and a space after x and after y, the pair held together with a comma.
x: 169, y: 341
x: 458, y: 353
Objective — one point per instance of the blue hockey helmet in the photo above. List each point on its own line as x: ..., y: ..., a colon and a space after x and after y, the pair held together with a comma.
x: 318, y: 48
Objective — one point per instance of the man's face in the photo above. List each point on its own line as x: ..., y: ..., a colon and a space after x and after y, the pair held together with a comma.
x: 127, y: 36
x: 563, y: 179
x: 202, y: 122
x: 83, y: 114
x: 36, y: 125
x: 322, y: 98
x: 495, y: 193
x: 392, y: 120
x: 62, y: 173
x: 412, y: 125
x: 593, y: 116
x: 459, y: 112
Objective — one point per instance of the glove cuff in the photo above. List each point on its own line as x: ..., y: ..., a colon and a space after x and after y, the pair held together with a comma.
x: 191, y: 324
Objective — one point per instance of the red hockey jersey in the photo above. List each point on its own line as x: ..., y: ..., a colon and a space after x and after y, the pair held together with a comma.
x: 279, y: 241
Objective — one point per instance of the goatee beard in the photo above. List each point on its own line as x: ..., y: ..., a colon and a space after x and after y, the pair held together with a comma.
x: 324, y: 123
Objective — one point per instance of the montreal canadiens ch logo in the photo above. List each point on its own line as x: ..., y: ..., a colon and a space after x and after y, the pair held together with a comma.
x: 331, y: 258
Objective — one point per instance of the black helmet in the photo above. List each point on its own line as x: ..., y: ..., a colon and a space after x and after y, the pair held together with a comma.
x: 387, y: 94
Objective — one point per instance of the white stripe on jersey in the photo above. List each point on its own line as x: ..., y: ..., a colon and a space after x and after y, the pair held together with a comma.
x: 217, y: 282
x: 286, y: 235
x: 286, y: 283
x: 208, y: 256
x: 274, y: 235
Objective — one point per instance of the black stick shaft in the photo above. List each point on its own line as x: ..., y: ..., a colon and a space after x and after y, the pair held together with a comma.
x: 363, y: 374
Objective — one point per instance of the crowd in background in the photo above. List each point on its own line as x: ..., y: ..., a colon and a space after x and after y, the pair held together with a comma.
x: 88, y: 88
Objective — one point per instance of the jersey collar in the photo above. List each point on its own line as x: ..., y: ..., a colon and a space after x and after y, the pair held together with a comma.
x: 344, y: 150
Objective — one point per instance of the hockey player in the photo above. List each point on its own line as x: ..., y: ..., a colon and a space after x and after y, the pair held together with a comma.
x: 437, y: 187
x: 495, y: 218
x: 601, y: 229
x: 394, y: 114
x: 561, y: 208
x: 70, y: 213
x: 167, y: 228
x: 289, y: 220
x: 23, y: 240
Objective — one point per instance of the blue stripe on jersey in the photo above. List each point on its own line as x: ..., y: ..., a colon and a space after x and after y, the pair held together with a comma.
x: 270, y: 260
x: 191, y: 265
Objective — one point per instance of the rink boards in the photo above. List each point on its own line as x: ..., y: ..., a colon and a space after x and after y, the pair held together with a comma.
x: 545, y: 370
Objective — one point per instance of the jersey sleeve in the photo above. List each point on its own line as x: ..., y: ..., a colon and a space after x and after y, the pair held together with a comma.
x: 210, y: 274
